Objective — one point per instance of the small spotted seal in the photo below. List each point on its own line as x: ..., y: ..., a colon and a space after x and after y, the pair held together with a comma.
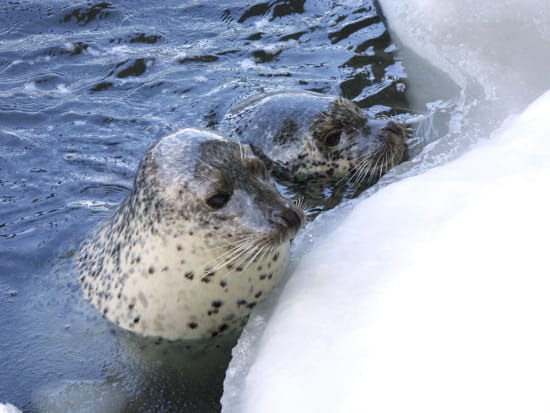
x: 314, y: 139
x: 202, y: 237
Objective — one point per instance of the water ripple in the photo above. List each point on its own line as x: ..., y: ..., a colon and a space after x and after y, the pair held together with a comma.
x: 86, y: 88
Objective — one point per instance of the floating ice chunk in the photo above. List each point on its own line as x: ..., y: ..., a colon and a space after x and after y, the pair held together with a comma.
x: 496, y: 45
x: 9, y: 408
x: 62, y: 88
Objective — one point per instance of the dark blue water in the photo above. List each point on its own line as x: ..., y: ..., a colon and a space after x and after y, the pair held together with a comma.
x: 85, y: 88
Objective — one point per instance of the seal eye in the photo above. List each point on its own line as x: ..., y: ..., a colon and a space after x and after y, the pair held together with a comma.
x: 218, y: 200
x: 333, y: 139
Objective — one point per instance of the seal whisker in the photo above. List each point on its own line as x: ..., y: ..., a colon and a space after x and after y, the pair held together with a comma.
x: 374, y: 167
x: 231, y: 249
x: 259, y: 248
x: 301, y: 204
x: 241, y: 148
x: 366, y: 165
x: 231, y: 254
x: 349, y: 175
x: 356, y: 173
x: 233, y: 241
x: 379, y: 166
x: 243, y: 259
x: 383, y: 164
x: 361, y: 173
x: 242, y: 253
x: 220, y: 260
x: 365, y: 172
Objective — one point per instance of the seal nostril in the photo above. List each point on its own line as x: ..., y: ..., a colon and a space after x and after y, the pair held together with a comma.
x: 287, y: 217
x: 395, y: 128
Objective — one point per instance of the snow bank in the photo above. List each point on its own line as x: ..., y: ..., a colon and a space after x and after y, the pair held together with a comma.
x: 431, y: 296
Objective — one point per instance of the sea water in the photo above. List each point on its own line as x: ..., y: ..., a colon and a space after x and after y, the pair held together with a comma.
x: 86, y: 87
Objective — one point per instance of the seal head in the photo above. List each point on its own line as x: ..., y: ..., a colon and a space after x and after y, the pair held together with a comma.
x: 203, y: 236
x: 321, y: 140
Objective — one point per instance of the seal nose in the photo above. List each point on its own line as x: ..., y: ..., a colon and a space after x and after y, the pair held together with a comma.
x: 396, y: 128
x: 288, y: 218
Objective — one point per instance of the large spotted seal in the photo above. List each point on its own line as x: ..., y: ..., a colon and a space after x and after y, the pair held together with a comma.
x: 315, y: 140
x: 202, y: 237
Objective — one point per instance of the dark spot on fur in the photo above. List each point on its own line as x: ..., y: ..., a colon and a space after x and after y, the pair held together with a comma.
x: 189, y: 275
x: 217, y: 303
x: 287, y: 132
x: 192, y: 325
x: 151, y: 270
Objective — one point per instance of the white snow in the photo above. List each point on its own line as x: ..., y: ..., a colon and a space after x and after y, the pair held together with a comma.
x: 431, y: 295
x: 8, y: 408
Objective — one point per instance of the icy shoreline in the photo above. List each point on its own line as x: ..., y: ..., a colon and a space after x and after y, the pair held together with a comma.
x: 431, y: 295
x: 408, y: 307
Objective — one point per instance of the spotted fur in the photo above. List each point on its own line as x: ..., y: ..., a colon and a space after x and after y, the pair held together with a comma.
x: 200, y: 240
x: 318, y: 140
